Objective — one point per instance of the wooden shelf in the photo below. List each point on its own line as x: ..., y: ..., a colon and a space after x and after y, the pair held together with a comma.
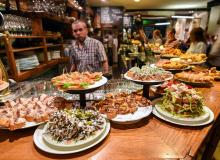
x: 28, y: 49
x: 50, y: 17
x: 33, y: 36
x: 40, y: 69
x: 54, y: 45
x: 46, y: 15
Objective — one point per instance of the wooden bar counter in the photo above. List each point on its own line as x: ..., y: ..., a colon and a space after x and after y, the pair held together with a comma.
x: 151, y: 138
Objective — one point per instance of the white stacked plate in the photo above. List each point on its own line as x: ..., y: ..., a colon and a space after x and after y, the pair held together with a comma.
x: 204, y: 119
x: 55, y: 54
x: 27, y: 63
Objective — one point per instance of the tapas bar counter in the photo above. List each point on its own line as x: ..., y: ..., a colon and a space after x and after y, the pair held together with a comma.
x: 150, y: 138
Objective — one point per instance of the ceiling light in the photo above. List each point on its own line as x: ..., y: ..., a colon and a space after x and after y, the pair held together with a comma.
x: 162, y: 24
x: 137, y: 0
x: 187, y: 17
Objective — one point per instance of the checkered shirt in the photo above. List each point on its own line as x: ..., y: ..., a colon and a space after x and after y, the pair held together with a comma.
x: 90, y: 57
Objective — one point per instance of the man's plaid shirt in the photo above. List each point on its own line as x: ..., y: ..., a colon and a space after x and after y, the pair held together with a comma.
x: 89, y: 57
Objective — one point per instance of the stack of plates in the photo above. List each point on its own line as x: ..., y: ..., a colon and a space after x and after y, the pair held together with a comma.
x: 204, y: 119
x: 27, y: 63
x: 55, y: 54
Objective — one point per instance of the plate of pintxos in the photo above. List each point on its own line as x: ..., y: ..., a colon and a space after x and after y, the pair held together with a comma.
x: 124, y: 108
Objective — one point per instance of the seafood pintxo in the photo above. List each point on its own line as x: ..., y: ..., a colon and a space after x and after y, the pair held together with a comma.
x: 121, y: 103
x: 16, y: 114
x: 76, y: 80
x: 71, y: 127
x: 148, y: 73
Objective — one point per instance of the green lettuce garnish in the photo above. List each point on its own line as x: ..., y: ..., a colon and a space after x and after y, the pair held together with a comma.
x: 84, y: 84
x: 67, y: 85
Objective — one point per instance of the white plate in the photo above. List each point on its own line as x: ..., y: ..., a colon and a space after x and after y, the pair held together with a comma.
x: 168, y: 56
x: 131, y: 118
x: 176, y: 69
x: 196, y: 120
x: 184, y: 61
x: 196, y: 62
x: 151, y: 81
x: 4, y: 85
x: 97, y: 84
x: 27, y: 125
x: 211, y: 118
x: 74, y: 145
x: 39, y: 142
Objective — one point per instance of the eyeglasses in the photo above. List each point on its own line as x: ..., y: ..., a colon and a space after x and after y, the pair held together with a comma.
x: 80, y: 29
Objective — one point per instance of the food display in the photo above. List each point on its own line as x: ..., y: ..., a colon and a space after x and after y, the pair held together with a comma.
x: 161, y: 88
x: 209, y: 72
x: 156, y: 48
x: 19, y: 113
x: 148, y: 73
x: 121, y: 103
x: 182, y: 101
x: 76, y: 80
x: 192, y: 58
x: 195, y: 77
x: 171, y: 52
x: 71, y: 127
x: 170, y: 65
x: 136, y: 42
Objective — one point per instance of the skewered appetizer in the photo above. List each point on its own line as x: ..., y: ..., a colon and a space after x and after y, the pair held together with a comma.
x: 76, y: 80
x: 209, y: 72
x: 121, y: 103
x: 193, y: 57
x: 181, y: 101
x: 161, y: 89
x: 148, y: 73
x: 198, y: 77
x: 15, y: 114
x: 174, y: 65
x: 171, y: 52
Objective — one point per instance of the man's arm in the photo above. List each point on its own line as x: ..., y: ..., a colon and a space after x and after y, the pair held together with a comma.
x: 105, y: 66
x: 73, y: 68
x: 102, y: 57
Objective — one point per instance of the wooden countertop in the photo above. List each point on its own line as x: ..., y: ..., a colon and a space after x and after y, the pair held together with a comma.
x: 150, y: 138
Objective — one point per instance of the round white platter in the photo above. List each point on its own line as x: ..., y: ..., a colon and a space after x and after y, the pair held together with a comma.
x: 40, y: 143
x: 186, y: 121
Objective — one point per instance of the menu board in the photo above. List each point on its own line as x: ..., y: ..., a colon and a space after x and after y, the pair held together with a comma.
x: 111, y: 15
x: 127, y: 21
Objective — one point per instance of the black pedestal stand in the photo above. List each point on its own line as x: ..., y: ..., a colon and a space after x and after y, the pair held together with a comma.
x: 146, y: 91
x: 82, y: 100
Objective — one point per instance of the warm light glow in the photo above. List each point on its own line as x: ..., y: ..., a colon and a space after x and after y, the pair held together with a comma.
x: 187, y: 17
x: 162, y: 24
x: 137, y: 0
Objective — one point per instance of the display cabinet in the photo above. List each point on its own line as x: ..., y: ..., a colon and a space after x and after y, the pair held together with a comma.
x: 49, y: 24
x: 43, y: 48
